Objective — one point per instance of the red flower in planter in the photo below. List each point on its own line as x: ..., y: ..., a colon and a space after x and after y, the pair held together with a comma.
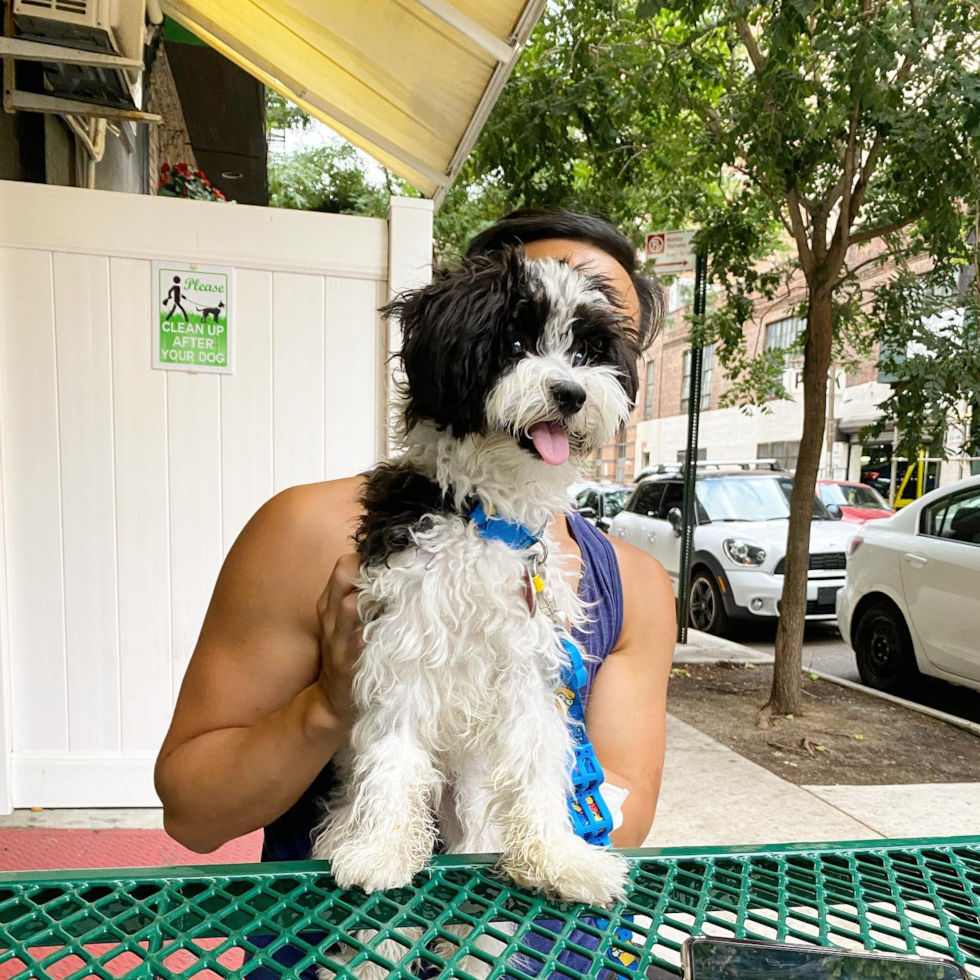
x: 182, y: 180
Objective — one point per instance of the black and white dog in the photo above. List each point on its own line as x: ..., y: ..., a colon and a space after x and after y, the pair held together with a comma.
x: 514, y: 370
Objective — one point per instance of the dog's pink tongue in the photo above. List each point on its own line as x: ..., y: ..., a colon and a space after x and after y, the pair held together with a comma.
x: 551, y: 442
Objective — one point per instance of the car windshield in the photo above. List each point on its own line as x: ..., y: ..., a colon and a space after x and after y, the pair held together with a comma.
x: 750, y: 499
x: 852, y: 495
x: 616, y: 501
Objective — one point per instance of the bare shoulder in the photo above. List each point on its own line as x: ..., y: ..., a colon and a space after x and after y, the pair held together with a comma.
x: 313, y: 516
x: 649, y: 611
x: 642, y: 574
x: 283, y: 557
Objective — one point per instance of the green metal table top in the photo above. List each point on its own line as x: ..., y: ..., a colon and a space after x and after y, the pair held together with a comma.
x: 920, y: 896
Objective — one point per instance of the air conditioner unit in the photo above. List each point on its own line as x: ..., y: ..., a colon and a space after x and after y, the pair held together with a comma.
x: 113, y: 27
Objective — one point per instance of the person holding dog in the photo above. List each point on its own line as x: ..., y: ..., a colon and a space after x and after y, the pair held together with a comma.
x: 266, y: 700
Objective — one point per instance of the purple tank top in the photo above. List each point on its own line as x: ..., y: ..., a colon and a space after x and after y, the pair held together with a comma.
x: 288, y: 837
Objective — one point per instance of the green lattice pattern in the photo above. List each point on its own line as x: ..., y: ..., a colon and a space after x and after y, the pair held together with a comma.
x: 912, y: 896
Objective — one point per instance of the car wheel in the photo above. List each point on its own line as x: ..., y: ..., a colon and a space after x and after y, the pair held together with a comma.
x: 885, y: 658
x: 707, y: 611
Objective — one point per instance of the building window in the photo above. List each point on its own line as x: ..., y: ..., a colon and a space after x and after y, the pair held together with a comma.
x: 701, y: 455
x: 648, y: 393
x: 784, y: 453
x: 621, y: 456
x: 782, y: 334
x: 706, y: 359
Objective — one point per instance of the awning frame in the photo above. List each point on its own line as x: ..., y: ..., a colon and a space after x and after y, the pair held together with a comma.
x: 505, y: 52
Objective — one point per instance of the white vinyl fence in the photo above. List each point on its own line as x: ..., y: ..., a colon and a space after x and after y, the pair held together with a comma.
x: 122, y: 487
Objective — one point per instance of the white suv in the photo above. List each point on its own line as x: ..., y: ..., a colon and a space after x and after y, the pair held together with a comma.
x: 739, y: 544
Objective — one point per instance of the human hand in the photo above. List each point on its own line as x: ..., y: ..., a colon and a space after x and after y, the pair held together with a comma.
x: 341, y: 638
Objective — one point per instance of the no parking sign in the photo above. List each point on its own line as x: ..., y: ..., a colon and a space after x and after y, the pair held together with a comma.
x: 671, y: 252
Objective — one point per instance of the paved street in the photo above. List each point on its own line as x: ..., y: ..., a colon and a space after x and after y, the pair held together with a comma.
x: 824, y: 650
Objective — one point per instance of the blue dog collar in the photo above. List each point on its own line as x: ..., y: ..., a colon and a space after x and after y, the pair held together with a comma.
x: 494, y: 528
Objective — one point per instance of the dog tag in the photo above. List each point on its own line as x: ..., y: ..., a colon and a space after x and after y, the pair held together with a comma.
x: 530, y: 593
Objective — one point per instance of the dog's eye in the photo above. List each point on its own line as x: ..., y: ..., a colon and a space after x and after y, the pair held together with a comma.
x: 517, y: 348
x: 578, y: 357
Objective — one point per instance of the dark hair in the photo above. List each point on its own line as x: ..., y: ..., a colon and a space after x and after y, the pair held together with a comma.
x: 533, y: 224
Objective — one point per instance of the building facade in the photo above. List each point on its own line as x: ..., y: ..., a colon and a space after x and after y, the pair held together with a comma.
x: 657, y: 432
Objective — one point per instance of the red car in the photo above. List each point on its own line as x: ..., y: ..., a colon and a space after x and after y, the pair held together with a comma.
x: 857, y: 502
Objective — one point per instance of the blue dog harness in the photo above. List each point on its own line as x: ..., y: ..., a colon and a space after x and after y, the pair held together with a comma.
x: 587, y: 810
x: 589, y: 814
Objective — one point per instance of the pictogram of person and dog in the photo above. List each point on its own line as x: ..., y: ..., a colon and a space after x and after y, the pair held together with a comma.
x: 176, y: 294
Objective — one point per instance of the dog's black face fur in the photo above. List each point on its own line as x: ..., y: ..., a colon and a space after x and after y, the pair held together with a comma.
x: 474, y: 324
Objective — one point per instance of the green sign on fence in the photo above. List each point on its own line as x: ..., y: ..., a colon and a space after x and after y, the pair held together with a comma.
x: 192, y: 317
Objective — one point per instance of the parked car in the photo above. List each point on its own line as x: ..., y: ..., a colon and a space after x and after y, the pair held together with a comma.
x: 911, y: 603
x: 601, y: 503
x: 739, y: 543
x: 858, y: 502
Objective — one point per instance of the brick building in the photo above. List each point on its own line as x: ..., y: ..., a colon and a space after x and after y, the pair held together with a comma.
x: 657, y: 431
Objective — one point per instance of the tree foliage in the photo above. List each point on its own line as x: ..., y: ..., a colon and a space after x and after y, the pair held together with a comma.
x: 791, y: 132
x: 281, y: 114
x: 330, y: 177
x: 848, y: 122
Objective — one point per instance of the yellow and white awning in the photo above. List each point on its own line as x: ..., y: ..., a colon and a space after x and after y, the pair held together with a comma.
x: 410, y: 82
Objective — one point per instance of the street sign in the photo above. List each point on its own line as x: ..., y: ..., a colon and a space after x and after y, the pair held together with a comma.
x: 192, y: 319
x: 671, y: 252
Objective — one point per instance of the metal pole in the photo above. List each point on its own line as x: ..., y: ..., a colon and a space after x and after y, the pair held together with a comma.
x: 691, y: 453
x: 893, y: 476
x: 831, y: 423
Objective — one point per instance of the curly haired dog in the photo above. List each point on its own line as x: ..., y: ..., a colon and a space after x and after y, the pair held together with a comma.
x: 514, y: 371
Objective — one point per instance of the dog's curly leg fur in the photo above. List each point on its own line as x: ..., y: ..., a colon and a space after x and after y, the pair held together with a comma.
x: 540, y: 849
x: 381, y: 832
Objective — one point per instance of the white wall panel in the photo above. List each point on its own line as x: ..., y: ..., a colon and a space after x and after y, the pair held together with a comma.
x: 298, y: 354
x: 194, y: 462
x: 32, y: 502
x: 352, y: 384
x: 122, y: 488
x: 246, y: 407
x: 139, y: 401
x: 84, y: 369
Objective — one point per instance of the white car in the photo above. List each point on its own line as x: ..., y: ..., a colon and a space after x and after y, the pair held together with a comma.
x: 739, y: 544
x: 911, y: 604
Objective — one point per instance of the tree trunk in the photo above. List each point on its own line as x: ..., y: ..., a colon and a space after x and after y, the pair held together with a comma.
x: 784, y: 698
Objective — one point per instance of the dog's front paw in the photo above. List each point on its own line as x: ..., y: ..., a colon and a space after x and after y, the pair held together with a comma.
x: 377, y: 865
x: 569, y: 870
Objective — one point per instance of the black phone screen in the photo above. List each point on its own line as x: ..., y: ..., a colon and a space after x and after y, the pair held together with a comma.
x: 735, y: 959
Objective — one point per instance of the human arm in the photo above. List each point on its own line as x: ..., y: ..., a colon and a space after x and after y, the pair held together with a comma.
x: 627, y: 708
x: 265, y: 700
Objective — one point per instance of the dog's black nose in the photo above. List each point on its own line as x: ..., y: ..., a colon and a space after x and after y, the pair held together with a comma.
x: 568, y: 396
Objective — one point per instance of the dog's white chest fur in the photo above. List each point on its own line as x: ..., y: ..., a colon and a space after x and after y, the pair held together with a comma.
x: 457, y: 714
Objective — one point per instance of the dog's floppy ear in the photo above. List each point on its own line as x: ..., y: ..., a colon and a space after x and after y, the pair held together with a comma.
x: 456, y: 336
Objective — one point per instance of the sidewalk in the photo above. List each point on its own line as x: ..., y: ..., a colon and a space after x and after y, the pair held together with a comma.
x: 712, y: 795
x: 52, y: 839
